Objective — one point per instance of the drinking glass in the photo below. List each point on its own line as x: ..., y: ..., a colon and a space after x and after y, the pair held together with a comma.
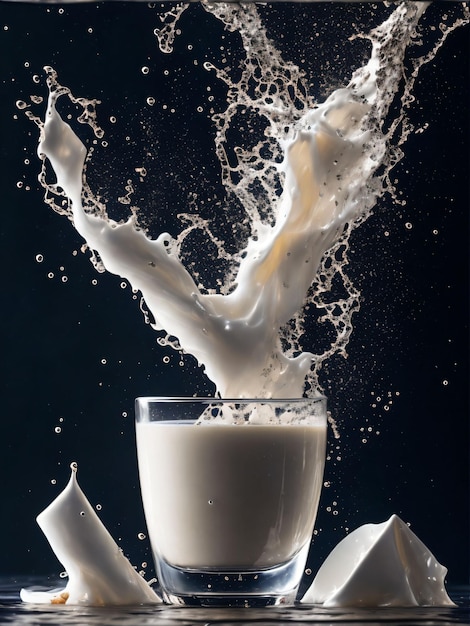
x: 230, y: 491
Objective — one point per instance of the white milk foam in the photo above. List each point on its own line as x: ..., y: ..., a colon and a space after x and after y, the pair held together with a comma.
x: 313, y: 174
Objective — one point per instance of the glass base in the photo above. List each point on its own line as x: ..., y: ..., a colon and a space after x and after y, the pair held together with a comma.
x: 223, y: 588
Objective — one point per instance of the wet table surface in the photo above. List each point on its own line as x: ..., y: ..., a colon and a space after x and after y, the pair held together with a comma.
x: 13, y: 611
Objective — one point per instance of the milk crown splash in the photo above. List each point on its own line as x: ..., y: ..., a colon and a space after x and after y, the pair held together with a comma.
x: 328, y: 184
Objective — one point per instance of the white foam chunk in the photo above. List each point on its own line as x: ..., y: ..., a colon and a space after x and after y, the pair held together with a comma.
x: 380, y: 565
x: 98, y: 572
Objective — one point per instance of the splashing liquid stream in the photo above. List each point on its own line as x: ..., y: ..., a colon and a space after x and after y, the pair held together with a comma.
x: 320, y: 169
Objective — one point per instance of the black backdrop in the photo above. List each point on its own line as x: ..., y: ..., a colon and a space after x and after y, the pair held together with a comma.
x: 410, y: 336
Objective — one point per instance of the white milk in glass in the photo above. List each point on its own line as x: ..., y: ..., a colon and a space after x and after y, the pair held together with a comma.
x: 230, y: 497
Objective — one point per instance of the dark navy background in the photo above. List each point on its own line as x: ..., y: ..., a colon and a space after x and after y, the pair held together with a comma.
x: 410, y: 335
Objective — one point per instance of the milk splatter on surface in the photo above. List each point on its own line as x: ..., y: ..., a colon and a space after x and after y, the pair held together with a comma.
x: 172, y: 178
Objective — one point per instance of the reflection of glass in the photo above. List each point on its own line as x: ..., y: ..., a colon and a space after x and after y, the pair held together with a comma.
x: 230, y: 501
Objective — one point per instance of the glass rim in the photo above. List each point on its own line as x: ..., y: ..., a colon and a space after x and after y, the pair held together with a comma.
x: 212, y: 400
x: 282, y: 411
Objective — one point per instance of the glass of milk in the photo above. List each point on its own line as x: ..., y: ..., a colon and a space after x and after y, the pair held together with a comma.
x: 230, y: 491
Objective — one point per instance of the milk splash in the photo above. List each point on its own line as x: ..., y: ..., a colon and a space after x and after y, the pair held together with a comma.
x: 98, y: 572
x: 311, y: 174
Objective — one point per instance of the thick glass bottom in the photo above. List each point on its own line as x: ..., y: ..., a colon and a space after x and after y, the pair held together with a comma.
x: 232, y: 588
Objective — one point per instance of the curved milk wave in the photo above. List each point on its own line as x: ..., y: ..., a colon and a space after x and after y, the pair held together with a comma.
x: 380, y: 565
x: 98, y: 572
x: 328, y: 173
